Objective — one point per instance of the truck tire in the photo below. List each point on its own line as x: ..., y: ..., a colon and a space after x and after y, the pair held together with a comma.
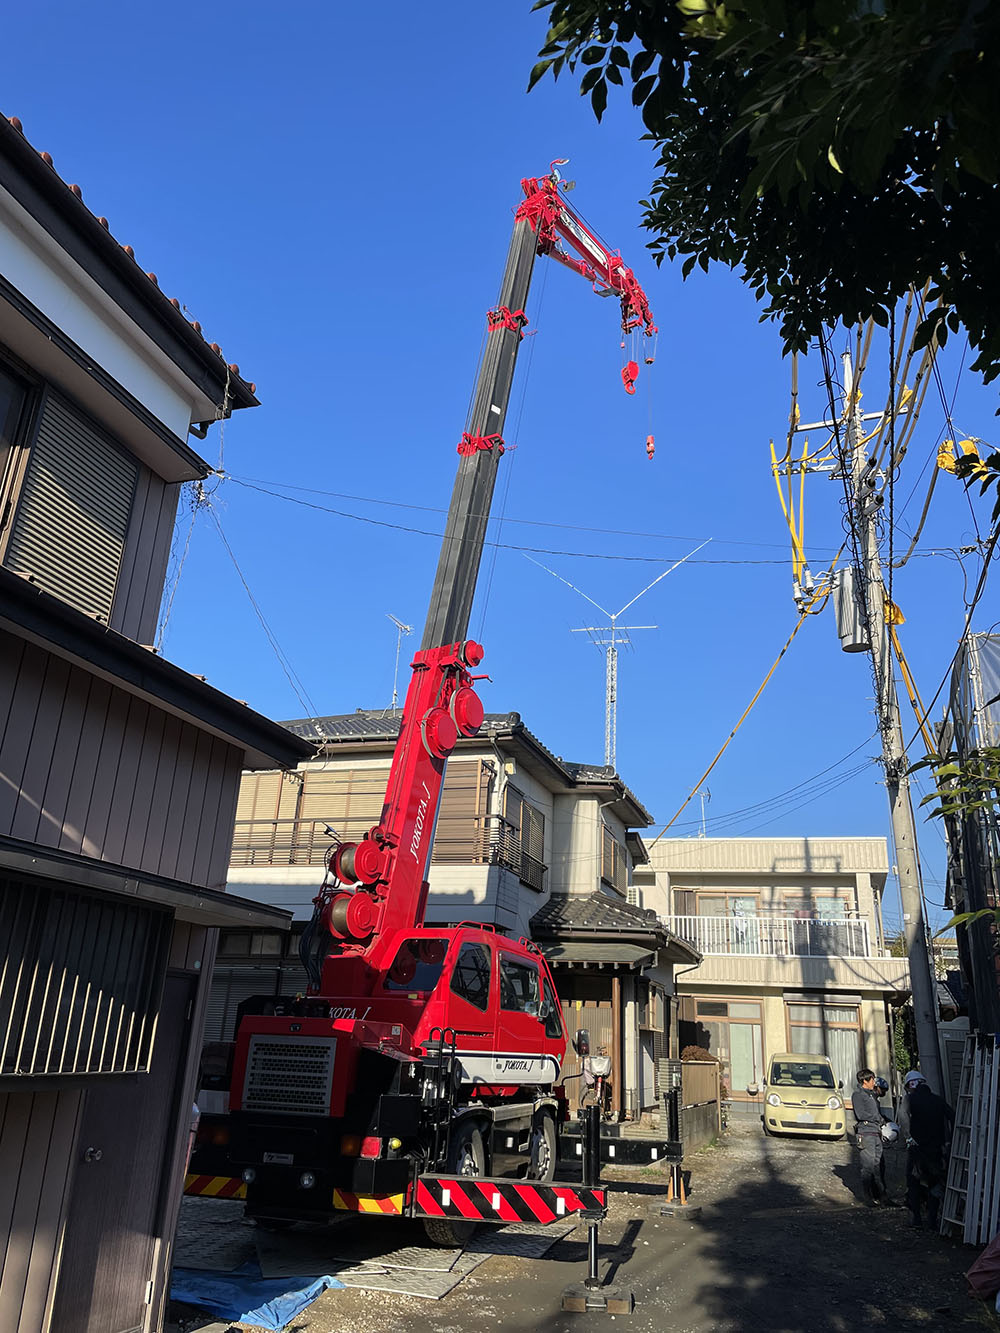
x: 543, y: 1148
x: 466, y: 1157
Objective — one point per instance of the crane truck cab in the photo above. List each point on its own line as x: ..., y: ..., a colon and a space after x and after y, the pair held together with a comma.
x: 448, y: 1062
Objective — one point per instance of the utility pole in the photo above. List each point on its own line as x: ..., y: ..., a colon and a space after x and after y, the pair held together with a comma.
x: 865, y: 504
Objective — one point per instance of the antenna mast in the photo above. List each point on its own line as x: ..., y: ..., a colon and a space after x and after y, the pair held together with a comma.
x: 619, y: 636
x: 401, y: 629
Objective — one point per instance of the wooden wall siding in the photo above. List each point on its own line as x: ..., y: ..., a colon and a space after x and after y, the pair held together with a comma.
x: 144, y: 559
x: 80, y: 980
x: 90, y: 769
x: 37, y: 1139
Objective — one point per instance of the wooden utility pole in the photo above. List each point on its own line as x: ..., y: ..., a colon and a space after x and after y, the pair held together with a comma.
x: 865, y: 504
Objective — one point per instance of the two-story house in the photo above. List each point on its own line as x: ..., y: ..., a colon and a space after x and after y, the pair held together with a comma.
x: 793, y: 950
x: 525, y: 841
x: 118, y: 770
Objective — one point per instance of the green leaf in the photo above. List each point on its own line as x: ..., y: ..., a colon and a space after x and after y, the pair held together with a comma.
x: 588, y: 81
x: 613, y: 73
x: 831, y: 157
x: 642, y: 89
x: 594, y: 55
x: 599, y: 98
x: 619, y: 56
x: 537, y: 72
x: 641, y: 62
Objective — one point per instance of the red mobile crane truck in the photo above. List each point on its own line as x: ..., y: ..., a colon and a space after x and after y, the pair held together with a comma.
x: 422, y: 1057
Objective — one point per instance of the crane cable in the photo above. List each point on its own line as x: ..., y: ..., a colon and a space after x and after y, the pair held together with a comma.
x: 807, y: 610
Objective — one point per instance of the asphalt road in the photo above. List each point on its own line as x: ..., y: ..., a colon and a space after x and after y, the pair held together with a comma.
x: 782, y: 1244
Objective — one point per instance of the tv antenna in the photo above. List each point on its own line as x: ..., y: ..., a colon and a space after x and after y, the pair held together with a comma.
x: 618, y: 638
x: 401, y: 629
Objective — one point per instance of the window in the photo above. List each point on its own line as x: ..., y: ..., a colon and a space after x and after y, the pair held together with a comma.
x: 614, y: 865
x: 417, y: 966
x: 732, y: 1030
x: 828, y: 1029
x: 553, y: 1015
x: 519, y: 986
x: 73, y: 509
x: 471, y: 978
x: 522, y: 843
x: 793, y: 1074
x: 12, y: 401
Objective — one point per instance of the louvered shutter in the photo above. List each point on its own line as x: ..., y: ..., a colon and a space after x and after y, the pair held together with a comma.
x: 461, y: 837
x: 73, y: 511
x: 349, y: 800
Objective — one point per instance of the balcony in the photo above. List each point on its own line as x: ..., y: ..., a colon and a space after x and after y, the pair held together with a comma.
x: 752, y: 951
x: 488, y: 840
x: 775, y: 936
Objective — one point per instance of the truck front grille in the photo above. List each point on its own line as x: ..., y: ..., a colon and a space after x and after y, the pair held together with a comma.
x: 290, y: 1074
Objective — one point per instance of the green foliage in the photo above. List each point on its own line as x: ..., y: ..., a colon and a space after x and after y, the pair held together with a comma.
x: 904, y: 1044
x: 836, y: 152
x: 962, y: 786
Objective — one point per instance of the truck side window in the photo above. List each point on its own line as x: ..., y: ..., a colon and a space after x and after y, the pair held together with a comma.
x: 553, y: 1017
x: 471, y: 978
x: 519, y: 986
x: 417, y: 966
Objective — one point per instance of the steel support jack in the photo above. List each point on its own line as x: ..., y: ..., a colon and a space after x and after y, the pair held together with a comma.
x: 591, y: 1295
x: 676, y: 1204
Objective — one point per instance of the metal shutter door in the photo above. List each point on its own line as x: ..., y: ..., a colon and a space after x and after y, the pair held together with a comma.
x: 73, y: 511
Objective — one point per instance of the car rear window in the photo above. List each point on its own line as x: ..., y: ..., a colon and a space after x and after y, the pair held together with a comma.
x: 804, y: 1074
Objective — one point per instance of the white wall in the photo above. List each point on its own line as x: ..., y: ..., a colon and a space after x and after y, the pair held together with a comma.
x: 41, y: 271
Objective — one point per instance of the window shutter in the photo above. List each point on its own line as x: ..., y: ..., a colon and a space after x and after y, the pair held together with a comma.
x: 73, y: 511
x: 461, y: 834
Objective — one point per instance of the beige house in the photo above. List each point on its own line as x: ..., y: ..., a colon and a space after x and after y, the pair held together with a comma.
x: 525, y: 841
x: 792, y: 944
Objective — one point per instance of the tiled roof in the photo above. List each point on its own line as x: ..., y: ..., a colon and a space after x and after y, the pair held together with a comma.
x: 169, y: 307
x: 383, y: 724
x: 592, y: 911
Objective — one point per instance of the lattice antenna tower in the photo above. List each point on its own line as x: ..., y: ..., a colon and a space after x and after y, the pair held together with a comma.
x: 610, y: 638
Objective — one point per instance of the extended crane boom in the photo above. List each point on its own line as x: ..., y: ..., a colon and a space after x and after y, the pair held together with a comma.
x: 388, y: 866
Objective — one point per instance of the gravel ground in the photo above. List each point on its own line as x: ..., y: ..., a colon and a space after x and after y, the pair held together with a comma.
x: 782, y: 1244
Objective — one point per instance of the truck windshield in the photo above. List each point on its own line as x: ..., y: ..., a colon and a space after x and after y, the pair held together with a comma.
x: 417, y: 966
x: 796, y: 1074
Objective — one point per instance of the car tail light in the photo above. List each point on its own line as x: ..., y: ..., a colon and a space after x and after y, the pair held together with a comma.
x: 371, y: 1147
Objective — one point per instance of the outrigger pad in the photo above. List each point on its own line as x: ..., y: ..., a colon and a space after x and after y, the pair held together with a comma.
x: 578, y: 1298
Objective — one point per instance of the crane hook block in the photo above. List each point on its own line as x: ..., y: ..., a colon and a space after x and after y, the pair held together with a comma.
x: 650, y: 447
x: 630, y: 373
x: 438, y: 732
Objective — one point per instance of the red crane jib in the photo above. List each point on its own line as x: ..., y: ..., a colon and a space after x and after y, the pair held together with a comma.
x: 553, y: 220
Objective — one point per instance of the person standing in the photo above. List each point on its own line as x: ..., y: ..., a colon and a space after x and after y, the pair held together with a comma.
x: 926, y: 1121
x: 869, y: 1116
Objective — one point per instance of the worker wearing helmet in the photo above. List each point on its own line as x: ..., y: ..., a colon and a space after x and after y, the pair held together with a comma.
x: 926, y: 1120
x: 869, y: 1118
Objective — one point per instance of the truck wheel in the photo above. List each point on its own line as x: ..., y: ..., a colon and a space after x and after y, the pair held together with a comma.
x: 543, y: 1149
x: 465, y: 1158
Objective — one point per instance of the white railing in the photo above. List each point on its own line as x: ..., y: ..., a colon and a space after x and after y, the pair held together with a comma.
x: 775, y: 936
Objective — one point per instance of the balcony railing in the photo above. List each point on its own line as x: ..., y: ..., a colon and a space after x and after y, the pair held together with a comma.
x: 487, y: 840
x: 775, y: 936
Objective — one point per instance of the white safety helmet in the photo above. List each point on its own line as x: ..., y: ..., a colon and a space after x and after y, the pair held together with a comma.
x: 889, y: 1131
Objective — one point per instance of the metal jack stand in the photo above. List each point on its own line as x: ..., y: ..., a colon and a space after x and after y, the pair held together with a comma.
x: 590, y: 1295
x: 676, y: 1204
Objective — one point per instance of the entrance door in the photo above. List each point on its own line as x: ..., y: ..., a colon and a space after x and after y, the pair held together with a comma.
x: 111, y: 1227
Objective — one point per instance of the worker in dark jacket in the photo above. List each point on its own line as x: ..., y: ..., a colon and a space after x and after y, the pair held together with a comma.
x: 926, y: 1120
x: 869, y: 1117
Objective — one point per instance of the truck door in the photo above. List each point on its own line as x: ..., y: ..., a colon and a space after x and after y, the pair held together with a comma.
x: 523, y: 1050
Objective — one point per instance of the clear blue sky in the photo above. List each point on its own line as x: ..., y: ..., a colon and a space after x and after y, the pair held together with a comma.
x: 332, y: 199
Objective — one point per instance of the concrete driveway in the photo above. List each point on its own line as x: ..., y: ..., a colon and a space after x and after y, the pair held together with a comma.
x: 781, y: 1244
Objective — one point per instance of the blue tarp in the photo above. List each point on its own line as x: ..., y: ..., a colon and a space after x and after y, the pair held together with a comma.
x: 243, y: 1296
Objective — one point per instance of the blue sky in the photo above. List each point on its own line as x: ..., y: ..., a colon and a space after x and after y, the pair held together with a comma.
x: 332, y: 200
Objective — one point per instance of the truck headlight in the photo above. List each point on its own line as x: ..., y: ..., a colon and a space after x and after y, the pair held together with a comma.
x: 773, y: 1099
x: 249, y: 1175
x: 307, y: 1180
